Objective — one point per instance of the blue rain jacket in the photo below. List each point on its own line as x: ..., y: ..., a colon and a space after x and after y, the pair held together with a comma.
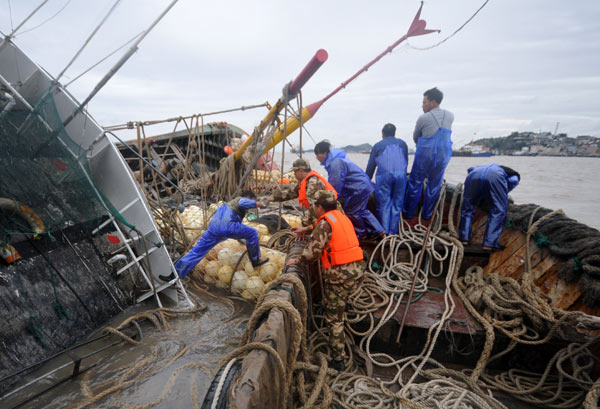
x: 354, y: 188
x: 390, y: 156
x: 226, y: 223
x: 431, y: 158
x: 490, y: 185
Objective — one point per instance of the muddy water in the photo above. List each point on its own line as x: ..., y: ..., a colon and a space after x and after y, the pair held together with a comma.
x: 208, y: 336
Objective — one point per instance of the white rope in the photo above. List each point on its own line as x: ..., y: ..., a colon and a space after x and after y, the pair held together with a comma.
x: 221, y: 383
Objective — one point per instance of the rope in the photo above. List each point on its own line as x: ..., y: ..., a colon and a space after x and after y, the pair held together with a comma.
x: 592, y: 399
x: 221, y: 382
x: 577, y: 244
x: 523, y: 313
x: 454, y: 33
x: 282, y: 240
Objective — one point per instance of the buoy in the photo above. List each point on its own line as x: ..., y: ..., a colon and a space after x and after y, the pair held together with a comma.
x: 254, y: 287
x: 238, y: 282
x: 224, y: 276
x: 212, y: 269
x: 249, y: 269
x: 269, y: 272
x: 226, y: 257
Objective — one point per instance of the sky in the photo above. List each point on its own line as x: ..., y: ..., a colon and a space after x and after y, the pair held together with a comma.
x: 517, y: 66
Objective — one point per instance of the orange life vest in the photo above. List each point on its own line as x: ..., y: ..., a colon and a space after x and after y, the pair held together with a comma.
x: 343, y: 247
x: 302, y: 198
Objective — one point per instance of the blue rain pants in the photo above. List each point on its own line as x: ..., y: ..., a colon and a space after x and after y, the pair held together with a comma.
x: 431, y: 158
x: 354, y: 188
x: 225, y: 224
x: 389, y: 194
x: 391, y: 185
x: 485, y: 184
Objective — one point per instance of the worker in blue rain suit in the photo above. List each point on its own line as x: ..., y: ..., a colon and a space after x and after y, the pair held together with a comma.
x: 487, y: 185
x: 390, y: 157
x: 353, y: 187
x: 434, y: 150
x: 226, y: 223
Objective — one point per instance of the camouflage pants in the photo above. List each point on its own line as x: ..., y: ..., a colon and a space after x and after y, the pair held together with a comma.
x: 339, y: 283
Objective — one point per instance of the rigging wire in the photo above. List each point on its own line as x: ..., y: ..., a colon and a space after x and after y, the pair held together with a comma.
x: 89, y: 39
x: 102, y: 60
x: 48, y: 19
x: 454, y: 33
x: 311, y: 138
x: 11, y: 19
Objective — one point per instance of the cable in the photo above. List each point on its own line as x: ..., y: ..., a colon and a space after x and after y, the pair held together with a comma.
x: 87, y: 41
x: 48, y: 19
x: 10, y: 12
x: 102, y: 60
x: 453, y: 34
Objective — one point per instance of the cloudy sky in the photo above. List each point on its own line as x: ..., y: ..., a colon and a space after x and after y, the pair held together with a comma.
x: 517, y: 66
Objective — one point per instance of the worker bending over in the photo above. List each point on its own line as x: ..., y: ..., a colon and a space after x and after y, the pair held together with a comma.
x: 353, y: 187
x: 226, y: 223
x: 488, y: 185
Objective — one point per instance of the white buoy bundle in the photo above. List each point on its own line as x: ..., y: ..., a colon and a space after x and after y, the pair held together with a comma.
x: 292, y: 220
x: 228, y: 266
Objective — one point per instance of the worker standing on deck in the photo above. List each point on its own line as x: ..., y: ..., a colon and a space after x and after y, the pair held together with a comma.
x: 434, y: 150
x: 390, y: 157
x: 335, y: 243
x: 309, y: 183
x: 487, y: 185
x: 353, y: 187
x: 226, y: 223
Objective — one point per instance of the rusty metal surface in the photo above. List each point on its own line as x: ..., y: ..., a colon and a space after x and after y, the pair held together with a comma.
x: 428, y: 310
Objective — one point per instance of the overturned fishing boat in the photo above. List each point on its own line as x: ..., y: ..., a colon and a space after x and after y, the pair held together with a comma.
x: 79, y: 243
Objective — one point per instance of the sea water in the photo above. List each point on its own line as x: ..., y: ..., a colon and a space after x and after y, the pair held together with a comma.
x: 568, y: 183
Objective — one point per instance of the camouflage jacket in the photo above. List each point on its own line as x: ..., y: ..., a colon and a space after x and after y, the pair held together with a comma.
x: 313, y: 185
x: 241, y: 205
x: 318, y: 240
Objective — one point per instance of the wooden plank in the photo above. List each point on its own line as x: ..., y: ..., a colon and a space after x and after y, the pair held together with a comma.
x: 479, y: 224
x: 547, y: 281
x: 580, y: 306
x: 566, y: 294
x: 513, y: 266
x: 544, y: 266
x: 178, y: 153
x: 513, y: 240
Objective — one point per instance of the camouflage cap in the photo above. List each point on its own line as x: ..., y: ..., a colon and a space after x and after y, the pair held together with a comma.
x: 325, y: 195
x: 300, y: 164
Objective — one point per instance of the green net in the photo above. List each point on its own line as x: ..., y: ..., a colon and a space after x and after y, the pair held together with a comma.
x: 44, y: 169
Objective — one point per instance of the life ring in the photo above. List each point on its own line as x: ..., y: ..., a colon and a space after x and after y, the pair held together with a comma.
x: 7, y: 251
x: 34, y: 221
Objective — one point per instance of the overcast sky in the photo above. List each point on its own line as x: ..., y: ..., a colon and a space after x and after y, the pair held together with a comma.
x: 517, y: 66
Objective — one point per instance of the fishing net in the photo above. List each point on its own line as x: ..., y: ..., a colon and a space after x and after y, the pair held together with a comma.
x: 45, y: 170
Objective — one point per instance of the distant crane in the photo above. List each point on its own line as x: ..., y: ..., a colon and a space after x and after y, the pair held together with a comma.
x: 556, y: 128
